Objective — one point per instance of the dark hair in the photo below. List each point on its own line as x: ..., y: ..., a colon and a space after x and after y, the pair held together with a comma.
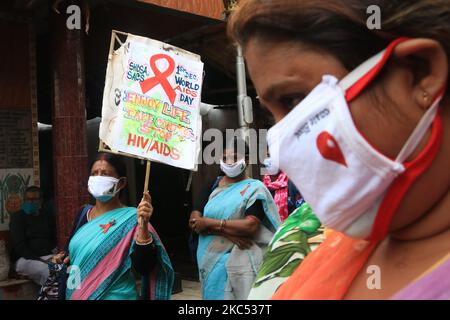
x: 34, y: 189
x: 340, y: 27
x: 237, y: 144
x: 114, y: 160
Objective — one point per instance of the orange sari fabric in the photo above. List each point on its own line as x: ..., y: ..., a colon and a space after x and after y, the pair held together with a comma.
x: 328, y: 272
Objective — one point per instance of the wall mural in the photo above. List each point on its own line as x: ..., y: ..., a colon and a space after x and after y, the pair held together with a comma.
x: 13, y: 183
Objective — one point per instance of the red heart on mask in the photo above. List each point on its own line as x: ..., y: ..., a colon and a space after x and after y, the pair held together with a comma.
x: 329, y: 148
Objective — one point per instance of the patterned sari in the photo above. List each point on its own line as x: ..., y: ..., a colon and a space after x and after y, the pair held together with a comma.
x: 286, y: 251
x: 280, y: 187
x: 226, y: 272
x: 101, y: 263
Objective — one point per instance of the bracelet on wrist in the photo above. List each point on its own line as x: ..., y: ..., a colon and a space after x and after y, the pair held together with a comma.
x: 145, y: 242
x: 222, y: 225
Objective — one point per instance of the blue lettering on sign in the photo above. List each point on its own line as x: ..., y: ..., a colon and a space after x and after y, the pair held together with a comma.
x: 185, y: 98
x: 182, y: 71
x: 186, y: 84
x: 137, y: 72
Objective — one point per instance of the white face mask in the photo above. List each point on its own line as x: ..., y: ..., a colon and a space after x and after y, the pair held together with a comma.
x: 271, y: 168
x: 103, y: 188
x: 233, y: 170
x: 348, y: 183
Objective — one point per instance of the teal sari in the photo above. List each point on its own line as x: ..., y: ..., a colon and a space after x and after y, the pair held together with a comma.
x: 226, y: 272
x: 100, y: 259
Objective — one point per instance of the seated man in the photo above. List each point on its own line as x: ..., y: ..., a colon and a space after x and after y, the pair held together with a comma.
x: 33, y: 237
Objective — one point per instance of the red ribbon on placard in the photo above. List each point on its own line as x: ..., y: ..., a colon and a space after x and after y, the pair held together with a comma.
x: 160, y: 77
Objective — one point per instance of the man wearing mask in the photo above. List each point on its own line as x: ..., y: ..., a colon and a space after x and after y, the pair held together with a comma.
x: 33, y: 237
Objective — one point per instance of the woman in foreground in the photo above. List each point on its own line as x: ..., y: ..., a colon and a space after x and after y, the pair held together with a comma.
x: 368, y: 147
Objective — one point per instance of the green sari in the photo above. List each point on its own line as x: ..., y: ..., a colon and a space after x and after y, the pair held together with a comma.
x: 285, y: 252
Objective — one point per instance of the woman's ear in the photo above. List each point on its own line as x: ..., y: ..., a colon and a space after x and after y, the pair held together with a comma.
x: 429, y: 63
x: 122, y: 183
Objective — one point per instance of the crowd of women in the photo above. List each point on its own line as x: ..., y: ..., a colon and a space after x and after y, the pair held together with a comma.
x: 112, y: 246
x: 362, y: 118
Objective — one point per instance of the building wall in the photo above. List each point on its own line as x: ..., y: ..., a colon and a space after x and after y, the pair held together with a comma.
x: 19, y: 153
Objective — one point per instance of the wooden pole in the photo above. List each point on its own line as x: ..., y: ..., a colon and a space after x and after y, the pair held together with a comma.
x: 146, y: 182
x: 145, y: 284
x: 147, y: 175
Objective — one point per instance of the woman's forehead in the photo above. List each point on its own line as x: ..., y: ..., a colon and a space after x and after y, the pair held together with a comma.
x: 232, y: 153
x: 103, y: 165
x: 32, y: 195
x: 229, y: 151
x: 274, y: 65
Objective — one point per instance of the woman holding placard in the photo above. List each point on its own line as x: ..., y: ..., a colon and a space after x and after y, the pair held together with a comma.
x: 107, y: 243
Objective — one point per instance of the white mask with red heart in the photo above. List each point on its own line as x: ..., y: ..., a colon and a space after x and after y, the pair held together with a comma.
x: 351, y: 186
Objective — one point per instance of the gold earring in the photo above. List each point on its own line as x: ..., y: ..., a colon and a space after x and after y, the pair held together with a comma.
x: 426, y: 97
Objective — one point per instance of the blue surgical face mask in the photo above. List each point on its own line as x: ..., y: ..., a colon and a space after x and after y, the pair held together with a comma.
x: 30, y: 207
x: 104, y: 198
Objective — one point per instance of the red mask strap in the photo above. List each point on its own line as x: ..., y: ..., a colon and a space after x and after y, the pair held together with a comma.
x: 362, y: 76
x: 402, y: 183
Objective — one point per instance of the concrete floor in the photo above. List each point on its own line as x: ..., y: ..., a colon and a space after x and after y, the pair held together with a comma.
x: 15, y: 289
x: 191, y: 291
x: 26, y: 290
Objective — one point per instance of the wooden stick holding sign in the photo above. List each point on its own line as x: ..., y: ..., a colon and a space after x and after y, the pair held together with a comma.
x: 146, y: 182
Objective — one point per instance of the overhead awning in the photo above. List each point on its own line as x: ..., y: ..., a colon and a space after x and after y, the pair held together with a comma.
x: 213, y: 9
